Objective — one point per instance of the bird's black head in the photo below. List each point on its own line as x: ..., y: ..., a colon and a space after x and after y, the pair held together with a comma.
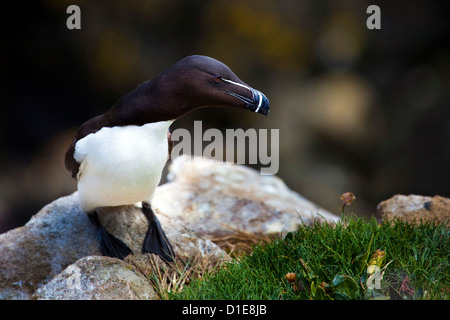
x: 203, y: 81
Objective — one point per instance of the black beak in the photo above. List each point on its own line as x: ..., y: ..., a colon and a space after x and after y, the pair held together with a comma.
x: 258, y: 104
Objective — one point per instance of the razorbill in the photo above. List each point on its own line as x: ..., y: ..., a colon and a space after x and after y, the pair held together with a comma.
x: 118, y: 157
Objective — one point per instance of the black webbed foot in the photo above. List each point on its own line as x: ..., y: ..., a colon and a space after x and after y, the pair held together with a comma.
x: 155, y: 239
x: 110, y: 245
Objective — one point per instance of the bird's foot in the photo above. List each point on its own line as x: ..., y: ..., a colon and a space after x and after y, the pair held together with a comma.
x: 109, y: 244
x: 155, y: 239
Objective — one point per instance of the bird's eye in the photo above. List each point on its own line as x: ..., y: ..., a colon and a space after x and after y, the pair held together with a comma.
x: 217, y: 78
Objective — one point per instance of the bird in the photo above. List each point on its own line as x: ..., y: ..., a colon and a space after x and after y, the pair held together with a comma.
x: 118, y: 157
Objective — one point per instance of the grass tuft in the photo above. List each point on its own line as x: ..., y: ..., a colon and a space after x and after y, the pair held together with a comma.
x: 325, y: 261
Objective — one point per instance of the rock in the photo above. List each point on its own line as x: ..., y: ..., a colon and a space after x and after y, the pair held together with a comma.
x: 93, y: 278
x: 61, y: 233
x: 415, y: 208
x: 216, y: 199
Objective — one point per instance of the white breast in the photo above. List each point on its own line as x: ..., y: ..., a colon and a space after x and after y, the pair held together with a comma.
x: 121, y: 165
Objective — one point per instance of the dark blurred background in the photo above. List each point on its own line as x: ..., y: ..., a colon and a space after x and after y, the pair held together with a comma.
x: 358, y: 110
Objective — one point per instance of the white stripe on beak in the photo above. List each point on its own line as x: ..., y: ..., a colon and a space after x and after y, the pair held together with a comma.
x: 238, y: 84
x: 260, y: 101
x: 251, y: 90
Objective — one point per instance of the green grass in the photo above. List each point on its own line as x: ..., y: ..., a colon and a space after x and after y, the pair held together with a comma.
x: 330, y: 262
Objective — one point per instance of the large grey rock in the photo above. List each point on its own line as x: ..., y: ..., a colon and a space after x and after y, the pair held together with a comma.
x: 215, y: 199
x: 61, y: 233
